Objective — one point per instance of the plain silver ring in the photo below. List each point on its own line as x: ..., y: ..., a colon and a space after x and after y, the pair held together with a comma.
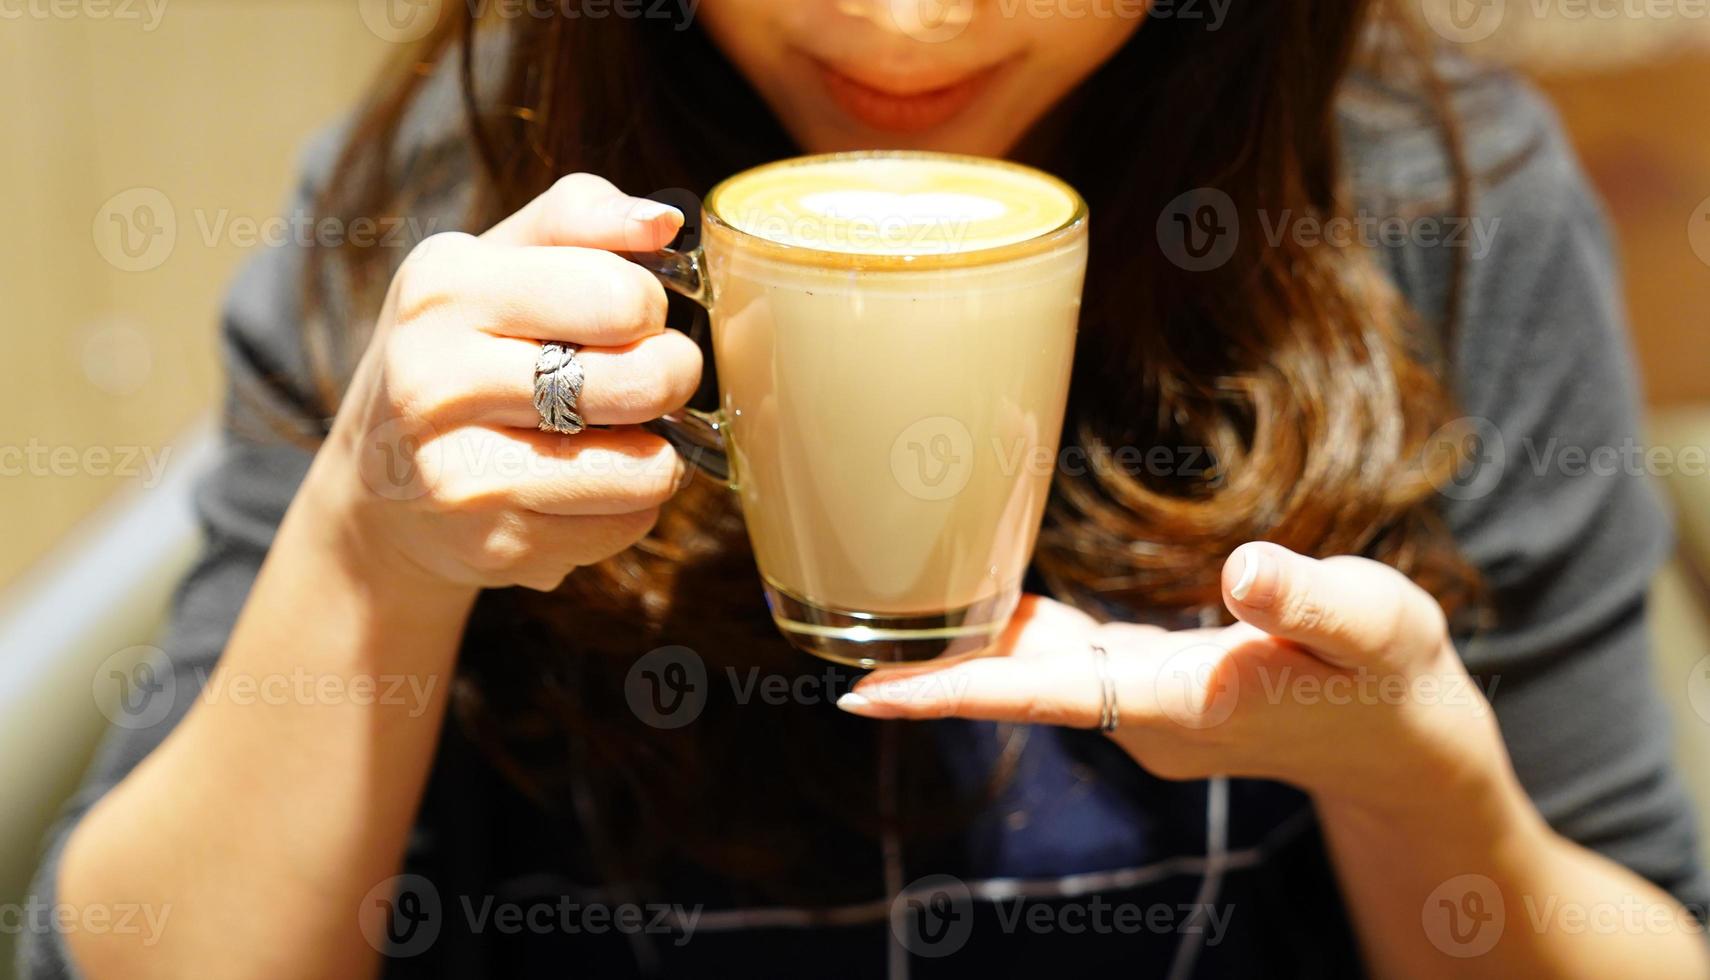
x: 1109, y: 715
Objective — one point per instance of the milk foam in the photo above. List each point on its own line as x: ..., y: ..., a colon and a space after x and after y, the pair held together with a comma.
x: 895, y: 204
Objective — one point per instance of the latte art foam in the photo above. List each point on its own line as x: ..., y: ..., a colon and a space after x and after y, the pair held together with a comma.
x: 894, y: 205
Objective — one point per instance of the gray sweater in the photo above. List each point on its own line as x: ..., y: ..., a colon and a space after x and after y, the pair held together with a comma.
x: 1541, y: 361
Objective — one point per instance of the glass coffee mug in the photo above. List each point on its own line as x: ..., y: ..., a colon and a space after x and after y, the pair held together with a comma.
x: 893, y: 334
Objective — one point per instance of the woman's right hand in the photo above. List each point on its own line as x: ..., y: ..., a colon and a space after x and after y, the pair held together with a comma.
x: 435, y: 466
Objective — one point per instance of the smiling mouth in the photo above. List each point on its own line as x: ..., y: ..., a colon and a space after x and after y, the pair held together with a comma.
x: 895, y: 111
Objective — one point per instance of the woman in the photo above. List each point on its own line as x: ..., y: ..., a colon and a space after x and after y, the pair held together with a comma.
x: 1309, y: 773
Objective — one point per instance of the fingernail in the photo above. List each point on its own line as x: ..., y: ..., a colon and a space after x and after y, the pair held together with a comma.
x: 1252, y: 562
x: 645, y: 210
x: 859, y: 704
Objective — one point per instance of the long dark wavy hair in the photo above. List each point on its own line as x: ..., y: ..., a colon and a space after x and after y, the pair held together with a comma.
x: 1295, y: 367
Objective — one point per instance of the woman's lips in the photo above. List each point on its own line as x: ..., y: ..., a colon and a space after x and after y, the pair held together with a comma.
x: 901, y: 108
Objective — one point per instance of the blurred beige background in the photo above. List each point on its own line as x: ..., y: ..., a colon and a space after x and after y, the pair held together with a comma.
x: 207, y: 110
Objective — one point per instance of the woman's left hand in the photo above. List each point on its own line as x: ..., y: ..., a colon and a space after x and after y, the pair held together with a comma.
x: 1338, y: 677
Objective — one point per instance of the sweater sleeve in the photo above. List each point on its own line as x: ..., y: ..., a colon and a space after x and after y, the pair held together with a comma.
x: 1564, y: 521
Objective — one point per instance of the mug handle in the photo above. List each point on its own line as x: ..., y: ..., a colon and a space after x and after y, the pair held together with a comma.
x: 697, y: 436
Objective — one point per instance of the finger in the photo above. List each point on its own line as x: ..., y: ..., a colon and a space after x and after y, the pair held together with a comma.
x: 600, y: 471
x: 1025, y: 689
x: 1349, y: 611
x: 624, y: 385
x: 585, y: 210
x: 1187, y: 680
x: 577, y: 295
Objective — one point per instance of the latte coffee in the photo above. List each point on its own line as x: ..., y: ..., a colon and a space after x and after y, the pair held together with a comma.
x: 893, y: 335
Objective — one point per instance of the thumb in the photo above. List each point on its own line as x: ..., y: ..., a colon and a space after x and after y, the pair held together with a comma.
x: 1349, y: 611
